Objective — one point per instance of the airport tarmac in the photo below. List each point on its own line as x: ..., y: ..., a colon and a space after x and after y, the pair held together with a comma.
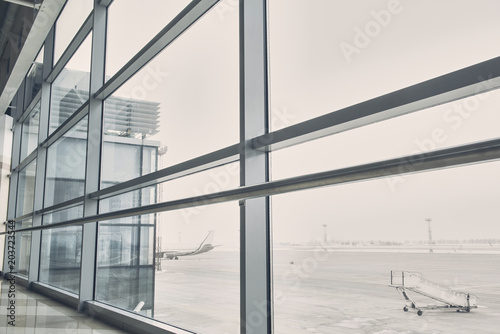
x: 330, y: 291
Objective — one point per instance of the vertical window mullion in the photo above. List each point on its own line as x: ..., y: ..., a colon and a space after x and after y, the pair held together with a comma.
x: 34, y: 273
x: 256, y: 307
x: 94, y: 139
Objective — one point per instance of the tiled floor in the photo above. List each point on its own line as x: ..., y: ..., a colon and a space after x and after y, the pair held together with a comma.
x: 36, y: 314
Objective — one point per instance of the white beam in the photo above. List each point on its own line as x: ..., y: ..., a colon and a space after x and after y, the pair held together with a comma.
x: 47, y: 15
x: 25, y: 3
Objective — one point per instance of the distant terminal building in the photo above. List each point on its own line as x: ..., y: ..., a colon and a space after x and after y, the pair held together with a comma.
x: 128, y: 123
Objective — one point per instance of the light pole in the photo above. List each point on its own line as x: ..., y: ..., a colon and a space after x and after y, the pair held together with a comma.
x: 428, y: 220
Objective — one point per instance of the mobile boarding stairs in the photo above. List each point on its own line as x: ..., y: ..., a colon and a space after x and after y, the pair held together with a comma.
x: 408, y: 283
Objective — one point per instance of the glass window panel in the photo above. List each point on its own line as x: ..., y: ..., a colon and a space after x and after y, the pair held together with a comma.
x: 72, y: 17
x: 63, y: 215
x: 126, y: 159
x: 66, y: 158
x: 464, y: 121
x: 185, y: 102
x: 70, y: 90
x: 129, y: 274
x: 125, y: 268
x: 26, y: 189
x: 201, y: 292
x: 207, y: 182
x: 124, y: 39
x: 34, y: 79
x: 61, y: 253
x: 23, y: 247
x: 334, y: 249
x: 132, y: 199
x: 343, y: 52
x: 29, y: 139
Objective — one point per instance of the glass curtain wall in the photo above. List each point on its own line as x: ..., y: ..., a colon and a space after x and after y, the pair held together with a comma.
x: 33, y: 82
x: 26, y: 189
x: 23, y: 247
x: 70, y: 90
x: 60, y: 258
x: 29, y: 139
x: 65, y: 174
x: 264, y: 166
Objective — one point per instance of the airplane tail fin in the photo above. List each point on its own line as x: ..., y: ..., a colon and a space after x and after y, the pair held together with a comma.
x: 208, y: 239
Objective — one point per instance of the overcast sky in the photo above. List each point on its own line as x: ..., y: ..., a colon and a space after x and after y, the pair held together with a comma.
x: 324, y: 55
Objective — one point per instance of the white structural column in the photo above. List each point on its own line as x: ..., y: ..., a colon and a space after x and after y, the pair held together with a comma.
x: 92, y: 174
x: 16, y: 148
x: 5, y: 157
x: 256, y: 315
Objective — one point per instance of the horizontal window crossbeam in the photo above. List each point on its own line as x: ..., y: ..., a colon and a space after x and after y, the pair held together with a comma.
x: 26, y: 161
x: 30, y: 107
x: 188, y: 16
x: 64, y: 205
x: 76, y: 117
x: 456, y: 156
x: 214, y: 159
x: 75, y: 43
x: 469, y: 81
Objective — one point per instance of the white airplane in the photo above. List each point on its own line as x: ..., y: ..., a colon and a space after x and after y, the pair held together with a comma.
x: 205, y: 246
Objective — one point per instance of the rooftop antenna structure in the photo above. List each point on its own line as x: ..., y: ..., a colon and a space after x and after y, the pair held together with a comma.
x: 428, y: 220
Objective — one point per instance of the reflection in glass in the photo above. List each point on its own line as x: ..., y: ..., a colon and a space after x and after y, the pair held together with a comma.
x: 70, y: 90
x: 122, y: 28
x: 127, y: 153
x: 29, y: 140
x: 186, y: 94
x: 33, y: 79
x: 206, y: 182
x: 125, y: 269
x: 63, y: 215
x: 60, y: 258
x: 66, y: 165
x: 26, y: 189
x: 334, y: 249
x: 23, y: 247
x: 69, y: 22
x: 132, y: 199
x: 161, y: 264
x: 123, y: 161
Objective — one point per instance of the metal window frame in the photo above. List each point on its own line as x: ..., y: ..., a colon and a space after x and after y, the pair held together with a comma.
x: 252, y: 153
x: 185, y: 19
x: 475, y: 79
x: 256, y: 312
x: 27, y: 114
x: 41, y: 152
x: 72, y: 47
x: 88, y: 267
x: 30, y: 107
x: 67, y: 125
x: 464, y: 155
